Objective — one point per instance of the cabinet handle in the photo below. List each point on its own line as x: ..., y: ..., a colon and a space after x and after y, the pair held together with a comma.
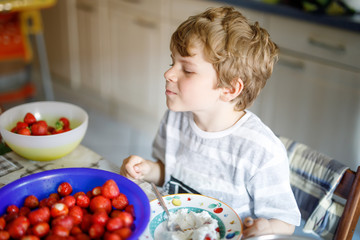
x: 132, y: 1
x: 85, y: 7
x: 295, y: 65
x: 333, y: 48
x: 145, y: 23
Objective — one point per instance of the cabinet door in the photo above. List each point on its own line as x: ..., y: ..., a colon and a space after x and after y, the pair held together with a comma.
x: 135, y: 56
x: 336, y: 46
x: 56, y: 34
x: 89, y: 34
x: 315, y: 104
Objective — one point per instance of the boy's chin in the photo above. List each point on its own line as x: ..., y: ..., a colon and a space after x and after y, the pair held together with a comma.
x: 174, y: 108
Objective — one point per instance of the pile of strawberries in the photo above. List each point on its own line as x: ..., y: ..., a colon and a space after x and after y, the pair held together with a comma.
x: 102, y: 213
x: 31, y: 126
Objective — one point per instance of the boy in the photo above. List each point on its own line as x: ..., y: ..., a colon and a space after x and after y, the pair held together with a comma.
x: 208, y: 143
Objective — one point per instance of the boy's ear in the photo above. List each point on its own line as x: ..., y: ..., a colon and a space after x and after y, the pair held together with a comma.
x: 230, y: 93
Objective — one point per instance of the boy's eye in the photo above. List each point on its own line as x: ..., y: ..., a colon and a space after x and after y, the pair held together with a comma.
x: 188, y: 71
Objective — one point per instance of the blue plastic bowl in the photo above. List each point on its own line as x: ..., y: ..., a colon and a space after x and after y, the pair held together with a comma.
x: 82, y: 179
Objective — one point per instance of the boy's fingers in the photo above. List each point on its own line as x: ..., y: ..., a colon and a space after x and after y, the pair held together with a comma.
x: 137, y: 168
x: 248, y: 221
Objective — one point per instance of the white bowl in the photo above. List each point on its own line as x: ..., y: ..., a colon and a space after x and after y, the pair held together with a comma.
x: 48, y: 147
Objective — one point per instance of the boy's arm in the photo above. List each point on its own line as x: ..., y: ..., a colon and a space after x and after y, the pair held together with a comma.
x: 156, y: 175
x: 280, y: 227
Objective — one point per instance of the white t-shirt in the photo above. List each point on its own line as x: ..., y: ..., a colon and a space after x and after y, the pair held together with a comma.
x: 244, y: 166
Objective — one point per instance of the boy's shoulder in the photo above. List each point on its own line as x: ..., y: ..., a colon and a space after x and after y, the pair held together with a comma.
x: 254, y: 123
x: 254, y: 129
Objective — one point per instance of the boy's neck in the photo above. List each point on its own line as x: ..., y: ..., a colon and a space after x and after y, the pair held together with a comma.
x: 217, y: 121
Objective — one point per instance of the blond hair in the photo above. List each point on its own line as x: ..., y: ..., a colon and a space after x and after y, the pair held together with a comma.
x: 235, y: 47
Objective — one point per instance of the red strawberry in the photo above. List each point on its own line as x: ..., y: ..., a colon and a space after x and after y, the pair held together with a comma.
x: 66, y: 122
x: 50, y: 130
x: 31, y: 202
x: 59, y: 209
x: 83, y: 201
x: 64, y: 220
x: 69, y: 201
x: 110, y: 189
x: 96, y: 191
x: 130, y: 209
x: 39, y: 215
x: 120, y: 202
x: 96, y: 231
x: 111, y: 236
x: 100, y: 202
x: 41, y: 229
x: 2, y: 223
x: 124, y: 232
x: 12, y: 209
x: 5, y: 234
x: 21, y: 125
x: 24, y: 131
x: 60, y: 231
x: 114, y: 224
x: 64, y: 189
x: 62, y: 124
x: 100, y: 217
x: 43, y: 122
x: 38, y: 129
x: 18, y: 227
x: 24, y: 211
x: 29, y: 118
x: 126, y: 218
x: 77, y: 214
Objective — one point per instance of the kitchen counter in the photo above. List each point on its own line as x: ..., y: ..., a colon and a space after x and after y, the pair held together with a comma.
x: 351, y: 23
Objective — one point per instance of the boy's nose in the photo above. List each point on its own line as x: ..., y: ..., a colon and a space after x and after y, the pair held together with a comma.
x: 169, y: 75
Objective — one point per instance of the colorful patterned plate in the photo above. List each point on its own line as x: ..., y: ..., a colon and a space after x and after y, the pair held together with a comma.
x: 230, y: 226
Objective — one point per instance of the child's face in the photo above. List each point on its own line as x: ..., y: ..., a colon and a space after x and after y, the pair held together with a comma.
x: 191, y: 83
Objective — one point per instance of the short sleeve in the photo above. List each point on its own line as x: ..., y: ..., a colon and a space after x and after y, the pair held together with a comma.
x: 159, y: 143
x: 271, y: 192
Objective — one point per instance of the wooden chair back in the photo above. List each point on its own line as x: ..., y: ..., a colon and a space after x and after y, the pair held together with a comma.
x: 349, y: 189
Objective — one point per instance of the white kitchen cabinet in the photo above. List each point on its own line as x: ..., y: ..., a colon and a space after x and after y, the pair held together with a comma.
x: 113, y: 51
x: 57, y: 37
x: 136, y: 81
x: 315, y: 104
x: 335, y: 46
x: 313, y: 95
x: 93, y: 61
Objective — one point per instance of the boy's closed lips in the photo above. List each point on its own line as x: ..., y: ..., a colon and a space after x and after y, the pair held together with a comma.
x: 168, y: 92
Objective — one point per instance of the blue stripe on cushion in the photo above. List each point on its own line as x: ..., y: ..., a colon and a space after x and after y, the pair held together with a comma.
x: 306, y: 202
x: 321, y: 182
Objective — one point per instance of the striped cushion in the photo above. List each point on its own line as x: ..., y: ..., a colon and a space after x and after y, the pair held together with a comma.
x: 314, y: 177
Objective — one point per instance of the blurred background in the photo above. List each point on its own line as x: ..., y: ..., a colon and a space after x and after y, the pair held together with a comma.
x: 109, y: 57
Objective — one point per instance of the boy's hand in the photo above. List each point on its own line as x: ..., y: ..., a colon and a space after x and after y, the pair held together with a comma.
x: 135, y: 167
x: 262, y: 226
x: 256, y: 227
